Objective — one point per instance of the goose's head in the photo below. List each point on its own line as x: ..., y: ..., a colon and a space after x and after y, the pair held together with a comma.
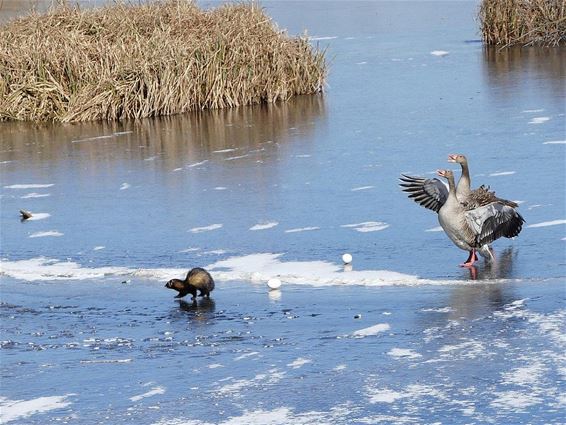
x: 457, y: 157
x: 447, y: 174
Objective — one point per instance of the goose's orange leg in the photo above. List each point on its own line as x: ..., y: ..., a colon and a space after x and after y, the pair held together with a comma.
x: 472, y: 258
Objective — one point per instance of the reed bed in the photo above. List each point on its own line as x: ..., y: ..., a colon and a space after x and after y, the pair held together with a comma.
x: 523, y: 22
x: 131, y: 61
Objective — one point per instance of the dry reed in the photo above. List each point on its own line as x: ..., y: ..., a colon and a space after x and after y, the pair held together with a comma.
x: 162, y: 58
x: 523, y: 22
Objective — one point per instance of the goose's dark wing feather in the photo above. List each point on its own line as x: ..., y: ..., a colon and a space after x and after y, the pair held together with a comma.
x: 430, y: 193
x: 493, y: 221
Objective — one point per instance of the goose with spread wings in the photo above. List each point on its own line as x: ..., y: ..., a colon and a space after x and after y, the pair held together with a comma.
x: 489, y: 216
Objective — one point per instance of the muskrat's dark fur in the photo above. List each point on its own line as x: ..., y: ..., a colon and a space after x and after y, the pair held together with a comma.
x: 25, y: 214
x: 197, y: 278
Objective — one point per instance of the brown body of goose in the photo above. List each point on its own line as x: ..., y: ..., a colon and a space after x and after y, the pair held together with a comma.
x: 474, y: 228
x: 197, y: 279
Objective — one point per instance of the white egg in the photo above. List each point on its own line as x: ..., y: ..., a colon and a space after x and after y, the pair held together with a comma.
x: 274, y: 283
x: 347, y: 258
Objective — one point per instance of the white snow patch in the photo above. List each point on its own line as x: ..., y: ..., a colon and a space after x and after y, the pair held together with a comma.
x: 246, y: 355
x: 35, y: 195
x: 105, y: 361
x: 439, y: 53
x: 215, y: 252
x: 526, y: 375
x: 555, y: 142
x: 317, y: 273
x: 250, y: 268
x: 11, y: 410
x: 48, y: 269
x: 383, y: 395
x: 38, y: 216
x: 516, y: 304
x: 272, y: 376
x: 205, y: 228
x: 403, y: 352
x: 548, y: 223
x: 514, y: 401
x: 469, y: 350
x: 232, y: 158
x: 108, y: 136
x: 45, y: 234
x: 152, y: 392
x: 356, y: 189
x: 331, y: 37
x: 372, y: 330
x: 438, y: 310
x: 302, y: 229
x: 277, y: 416
x: 196, y: 164
x: 28, y: 186
x: 264, y: 226
x: 435, y: 229
x: 502, y: 173
x: 190, y: 250
x: 297, y: 363
x: 539, y: 120
x: 225, y: 150
x: 368, y: 226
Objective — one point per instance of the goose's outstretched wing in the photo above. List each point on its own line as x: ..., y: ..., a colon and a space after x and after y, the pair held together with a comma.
x: 430, y: 193
x: 492, y: 221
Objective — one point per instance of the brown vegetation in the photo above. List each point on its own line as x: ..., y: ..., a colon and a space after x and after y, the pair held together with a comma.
x: 523, y: 22
x: 163, y: 58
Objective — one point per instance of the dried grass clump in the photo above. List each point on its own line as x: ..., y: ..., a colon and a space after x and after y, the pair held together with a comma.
x: 524, y: 22
x: 163, y: 58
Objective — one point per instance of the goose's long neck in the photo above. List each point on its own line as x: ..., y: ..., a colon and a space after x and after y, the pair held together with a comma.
x: 451, y: 188
x: 465, y: 183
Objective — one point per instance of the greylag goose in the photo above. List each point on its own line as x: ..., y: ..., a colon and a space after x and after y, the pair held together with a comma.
x: 432, y: 194
x: 473, y: 227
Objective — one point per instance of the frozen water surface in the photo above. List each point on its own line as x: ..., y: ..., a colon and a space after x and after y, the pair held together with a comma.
x: 89, y: 334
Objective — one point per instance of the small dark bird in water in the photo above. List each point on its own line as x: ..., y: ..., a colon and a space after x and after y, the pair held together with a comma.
x: 197, y: 278
x: 25, y: 214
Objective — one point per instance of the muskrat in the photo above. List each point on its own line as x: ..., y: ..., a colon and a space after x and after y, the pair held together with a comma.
x: 25, y: 214
x: 197, y: 278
